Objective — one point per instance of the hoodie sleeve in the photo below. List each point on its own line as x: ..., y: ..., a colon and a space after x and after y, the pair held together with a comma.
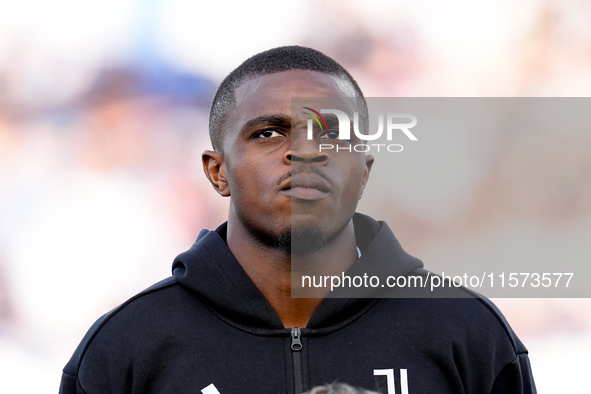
x: 515, y: 378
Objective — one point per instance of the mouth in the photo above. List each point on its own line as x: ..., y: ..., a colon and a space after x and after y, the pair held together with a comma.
x: 307, y: 187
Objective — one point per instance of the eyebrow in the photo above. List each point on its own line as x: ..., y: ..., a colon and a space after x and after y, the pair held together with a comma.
x: 282, y: 120
x: 331, y: 120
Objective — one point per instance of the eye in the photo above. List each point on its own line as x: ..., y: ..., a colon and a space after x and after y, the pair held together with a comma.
x: 268, y: 133
x: 330, y: 134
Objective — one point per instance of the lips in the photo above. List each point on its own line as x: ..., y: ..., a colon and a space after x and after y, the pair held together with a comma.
x: 308, y: 187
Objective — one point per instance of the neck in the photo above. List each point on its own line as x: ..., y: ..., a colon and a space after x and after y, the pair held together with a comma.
x: 271, y: 270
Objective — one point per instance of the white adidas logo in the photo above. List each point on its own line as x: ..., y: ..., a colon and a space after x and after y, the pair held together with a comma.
x: 211, y: 389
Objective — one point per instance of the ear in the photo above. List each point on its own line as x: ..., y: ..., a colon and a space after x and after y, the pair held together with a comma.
x: 215, y: 170
x: 368, y: 163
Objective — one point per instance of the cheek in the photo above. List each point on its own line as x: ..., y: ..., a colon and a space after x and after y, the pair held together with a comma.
x: 246, y: 181
x: 236, y: 176
x: 354, y: 183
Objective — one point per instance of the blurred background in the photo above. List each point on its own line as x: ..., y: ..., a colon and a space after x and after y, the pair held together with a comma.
x: 103, y: 117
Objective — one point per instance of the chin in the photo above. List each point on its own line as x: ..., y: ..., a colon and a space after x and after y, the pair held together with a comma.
x: 299, y: 240
x: 299, y: 236
x: 307, y: 240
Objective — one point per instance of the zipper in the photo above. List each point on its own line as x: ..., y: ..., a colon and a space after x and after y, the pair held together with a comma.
x: 296, y: 347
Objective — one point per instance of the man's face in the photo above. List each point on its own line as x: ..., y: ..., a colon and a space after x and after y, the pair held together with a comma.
x: 282, y: 188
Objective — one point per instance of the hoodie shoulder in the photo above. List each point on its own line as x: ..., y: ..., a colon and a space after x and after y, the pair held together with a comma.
x: 74, y: 363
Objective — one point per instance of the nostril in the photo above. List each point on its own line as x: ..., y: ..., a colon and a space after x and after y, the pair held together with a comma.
x: 319, y: 159
x: 294, y: 158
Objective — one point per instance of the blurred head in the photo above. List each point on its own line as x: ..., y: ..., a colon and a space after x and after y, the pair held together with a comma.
x: 338, y: 388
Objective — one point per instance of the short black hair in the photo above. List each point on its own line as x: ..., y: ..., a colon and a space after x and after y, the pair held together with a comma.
x: 269, y: 62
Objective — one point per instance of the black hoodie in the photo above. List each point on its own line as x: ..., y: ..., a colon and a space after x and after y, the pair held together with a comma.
x: 208, y: 329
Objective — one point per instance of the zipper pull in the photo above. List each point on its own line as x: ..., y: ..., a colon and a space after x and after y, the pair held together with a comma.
x: 296, y: 343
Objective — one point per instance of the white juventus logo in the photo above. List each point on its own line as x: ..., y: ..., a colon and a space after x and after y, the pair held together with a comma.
x: 389, y: 373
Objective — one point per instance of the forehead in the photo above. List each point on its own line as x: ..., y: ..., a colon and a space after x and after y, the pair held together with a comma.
x: 271, y: 94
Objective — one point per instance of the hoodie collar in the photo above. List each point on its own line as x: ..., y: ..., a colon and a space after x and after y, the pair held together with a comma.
x: 210, y: 270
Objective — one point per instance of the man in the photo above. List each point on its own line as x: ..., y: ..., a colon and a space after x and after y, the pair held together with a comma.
x: 226, y: 322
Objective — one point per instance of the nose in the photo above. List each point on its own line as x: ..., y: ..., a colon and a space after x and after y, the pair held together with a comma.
x: 304, y: 151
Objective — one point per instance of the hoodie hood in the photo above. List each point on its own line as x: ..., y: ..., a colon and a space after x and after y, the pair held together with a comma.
x: 209, y: 270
